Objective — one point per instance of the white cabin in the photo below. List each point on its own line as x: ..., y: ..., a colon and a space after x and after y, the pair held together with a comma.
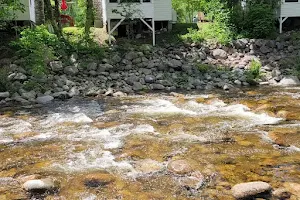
x: 29, y: 12
x: 149, y: 10
x: 288, y: 8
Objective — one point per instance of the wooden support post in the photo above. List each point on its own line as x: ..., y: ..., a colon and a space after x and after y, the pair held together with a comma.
x: 109, y: 32
x: 114, y: 28
x: 153, y: 31
x: 151, y: 28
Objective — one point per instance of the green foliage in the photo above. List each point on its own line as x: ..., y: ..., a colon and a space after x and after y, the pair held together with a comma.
x: 37, y: 47
x: 203, y: 68
x: 216, y: 32
x: 253, y: 72
x: 258, y: 21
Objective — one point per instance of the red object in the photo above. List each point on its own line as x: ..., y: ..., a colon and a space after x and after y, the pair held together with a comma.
x: 64, y: 5
x: 66, y: 19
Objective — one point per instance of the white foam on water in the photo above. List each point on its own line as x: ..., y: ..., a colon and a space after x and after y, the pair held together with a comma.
x: 158, y: 106
x: 56, y: 118
x: 238, y: 111
x: 93, y: 158
x: 14, y: 126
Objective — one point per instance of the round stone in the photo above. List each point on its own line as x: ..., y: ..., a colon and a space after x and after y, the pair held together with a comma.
x: 250, y: 189
x: 179, y: 167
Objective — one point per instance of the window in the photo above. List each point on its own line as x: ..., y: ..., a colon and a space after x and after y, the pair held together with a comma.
x: 113, y: 1
x: 146, y: 1
x: 288, y: 1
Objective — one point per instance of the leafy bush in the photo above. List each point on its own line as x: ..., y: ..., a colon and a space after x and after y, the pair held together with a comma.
x: 253, y: 72
x: 203, y: 68
x: 215, y: 32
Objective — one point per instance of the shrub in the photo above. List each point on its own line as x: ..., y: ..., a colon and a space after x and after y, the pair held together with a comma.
x: 253, y: 72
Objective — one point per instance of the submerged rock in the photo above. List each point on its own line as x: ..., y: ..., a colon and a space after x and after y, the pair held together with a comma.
x: 250, y: 189
x: 46, y: 184
x: 179, y: 167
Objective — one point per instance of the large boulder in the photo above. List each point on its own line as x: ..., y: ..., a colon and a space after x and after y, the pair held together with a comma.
x: 250, y: 189
x: 219, y: 54
x: 137, y: 86
x: 289, y: 81
x: 29, y: 95
x: 241, y: 43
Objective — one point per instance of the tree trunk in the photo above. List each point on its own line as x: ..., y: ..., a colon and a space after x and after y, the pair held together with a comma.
x: 89, y: 17
x: 57, y: 17
x: 50, y: 17
x: 39, y: 12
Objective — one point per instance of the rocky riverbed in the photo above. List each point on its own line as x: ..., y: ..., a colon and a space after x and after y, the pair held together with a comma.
x: 201, y: 145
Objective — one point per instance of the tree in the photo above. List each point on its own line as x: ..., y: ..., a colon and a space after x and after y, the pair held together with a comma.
x: 89, y: 17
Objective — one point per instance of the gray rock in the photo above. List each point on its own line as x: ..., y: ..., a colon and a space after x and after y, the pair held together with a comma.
x: 61, y: 95
x: 92, y: 66
x: 289, y: 81
x: 219, y: 54
x: 46, y: 184
x: 74, y: 92
x: 137, y: 61
x: 56, y: 66
x: 109, y: 92
x: 104, y: 67
x: 131, y: 80
x: 71, y: 70
x: 241, y: 43
x: 202, y: 55
x: 145, y: 71
x: 173, y: 63
x: 157, y: 87
x: 116, y: 59
x: 131, y: 55
x: 149, y: 79
x: 264, y: 49
x: 44, y: 99
x: 21, y: 100
x: 4, y: 95
x: 250, y: 189
x: 119, y: 94
x: 73, y: 58
x: 29, y: 95
x: 17, y: 76
x: 137, y: 86
x: 237, y: 82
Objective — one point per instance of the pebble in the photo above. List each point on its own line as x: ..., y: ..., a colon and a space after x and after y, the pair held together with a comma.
x: 46, y: 184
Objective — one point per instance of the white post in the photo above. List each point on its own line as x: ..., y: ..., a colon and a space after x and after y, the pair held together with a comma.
x: 109, y: 31
x: 153, y: 31
x: 280, y: 24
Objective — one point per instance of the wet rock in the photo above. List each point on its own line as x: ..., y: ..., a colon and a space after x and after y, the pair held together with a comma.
x: 293, y: 188
x: 195, y: 181
x: 44, y: 99
x: 4, y: 95
x: 289, y: 81
x: 119, y: 94
x: 73, y: 92
x: 250, y: 189
x: 264, y: 49
x: 56, y: 66
x: 179, y: 167
x: 281, y: 194
x: 148, y: 166
x: 46, y: 184
x: 219, y: 54
x: 95, y: 180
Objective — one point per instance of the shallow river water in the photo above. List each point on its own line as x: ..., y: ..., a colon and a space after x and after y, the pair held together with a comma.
x: 152, y: 146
